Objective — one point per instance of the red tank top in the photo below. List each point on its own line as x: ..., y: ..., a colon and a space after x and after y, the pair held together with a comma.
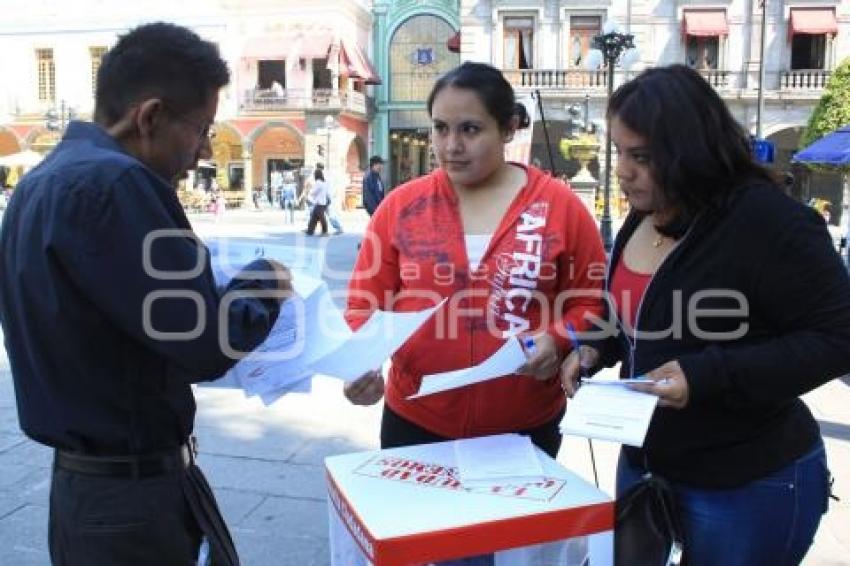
x: 627, y: 289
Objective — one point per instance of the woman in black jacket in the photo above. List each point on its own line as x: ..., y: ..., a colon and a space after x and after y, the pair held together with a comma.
x: 731, y: 297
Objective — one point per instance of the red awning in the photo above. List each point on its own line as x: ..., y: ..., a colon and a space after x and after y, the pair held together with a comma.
x: 453, y: 44
x: 705, y: 23
x: 355, y: 64
x: 812, y: 21
x: 288, y: 46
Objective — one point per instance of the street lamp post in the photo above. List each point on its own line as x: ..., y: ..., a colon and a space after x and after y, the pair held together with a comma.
x: 609, y: 47
x: 329, y: 125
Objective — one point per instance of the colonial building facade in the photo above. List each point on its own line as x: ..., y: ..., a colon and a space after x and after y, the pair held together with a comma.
x: 541, y: 46
x: 412, y: 48
x: 299, y: 93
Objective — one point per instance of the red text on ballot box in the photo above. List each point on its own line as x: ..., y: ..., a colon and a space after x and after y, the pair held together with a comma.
x: 407, y: 506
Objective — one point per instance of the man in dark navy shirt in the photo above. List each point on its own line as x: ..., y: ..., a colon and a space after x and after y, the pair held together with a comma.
x: 373, y: 186
x: 110, y: 310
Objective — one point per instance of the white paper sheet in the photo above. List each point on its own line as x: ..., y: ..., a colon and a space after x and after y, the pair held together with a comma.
x: 617, y: 382
x: 308, y: 328
x: 505, y: 361
x: 372, y: 344
x: 305, y: 385
x: 497, y: 459
x: 311, y: 336
x: 274, y: 363
x: 618, y: 414
x: 229, y: 255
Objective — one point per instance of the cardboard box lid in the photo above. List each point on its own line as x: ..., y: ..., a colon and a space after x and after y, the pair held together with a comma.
x: 407, y: 504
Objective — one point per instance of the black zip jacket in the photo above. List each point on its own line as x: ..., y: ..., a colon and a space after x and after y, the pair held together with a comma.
x: 754, y: 303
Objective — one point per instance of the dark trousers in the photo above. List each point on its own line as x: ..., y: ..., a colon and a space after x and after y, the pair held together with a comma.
x: 397, y: 431
x: 318, y: 215
x: 99, y: 520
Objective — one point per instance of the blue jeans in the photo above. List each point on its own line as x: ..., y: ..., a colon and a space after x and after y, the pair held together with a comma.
x: 770, y: 521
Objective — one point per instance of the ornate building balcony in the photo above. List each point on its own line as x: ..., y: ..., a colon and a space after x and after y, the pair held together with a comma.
x: 557, y: 79
x: 720, y: 80
x: 803, y: 80
x: 267, y: 100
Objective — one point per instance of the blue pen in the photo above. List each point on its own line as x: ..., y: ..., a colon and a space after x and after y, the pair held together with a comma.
x: 582, y: 371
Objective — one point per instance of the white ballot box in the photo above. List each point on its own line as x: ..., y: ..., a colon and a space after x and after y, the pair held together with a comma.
x: 406, y: 506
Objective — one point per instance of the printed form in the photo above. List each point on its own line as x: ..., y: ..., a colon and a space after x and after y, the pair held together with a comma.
x: 618, y: 414
x: 310, y: 336
x: 497, y: 459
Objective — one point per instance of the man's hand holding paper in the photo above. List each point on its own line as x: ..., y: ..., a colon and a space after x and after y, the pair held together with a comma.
x: 365, y: 390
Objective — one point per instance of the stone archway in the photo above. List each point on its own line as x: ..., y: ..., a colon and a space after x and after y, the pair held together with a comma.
x: 276, y: 146
x: 9, y: 144
x: 227, y: 151
x: 356, y: 158
x: 356, y: 163
x: 43, y: 140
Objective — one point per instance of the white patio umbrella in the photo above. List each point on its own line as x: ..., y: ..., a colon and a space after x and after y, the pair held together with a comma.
x: 26, y: 158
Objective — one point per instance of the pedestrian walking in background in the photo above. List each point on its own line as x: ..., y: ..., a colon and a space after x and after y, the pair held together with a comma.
x: 373, y: 185
x: 319, y: 198
x: 729, y: 294
x: 287, y: 197
x: 220, y: 204
x: 276, y: 187
x: 98, y: 259
x: 256, y: 196
x: 335, y: 198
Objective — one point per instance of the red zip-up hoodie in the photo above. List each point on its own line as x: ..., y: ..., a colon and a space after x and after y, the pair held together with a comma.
x: 544, y: 267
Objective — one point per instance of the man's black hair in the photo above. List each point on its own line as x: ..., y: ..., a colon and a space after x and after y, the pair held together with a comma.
x: 158, y: 60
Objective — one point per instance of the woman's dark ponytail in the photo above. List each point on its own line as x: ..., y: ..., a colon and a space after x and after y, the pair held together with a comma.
x: 524, y: 120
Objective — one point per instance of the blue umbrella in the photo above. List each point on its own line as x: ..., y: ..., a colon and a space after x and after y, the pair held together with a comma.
x: 832, y: 149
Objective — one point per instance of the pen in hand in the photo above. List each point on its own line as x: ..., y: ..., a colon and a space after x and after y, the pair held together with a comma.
x: 582, y: 371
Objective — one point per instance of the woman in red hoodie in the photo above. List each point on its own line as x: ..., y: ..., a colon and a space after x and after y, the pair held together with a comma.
x: 513, y: 250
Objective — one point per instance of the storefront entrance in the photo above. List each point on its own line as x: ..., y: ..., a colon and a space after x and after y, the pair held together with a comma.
x: 410, y: 155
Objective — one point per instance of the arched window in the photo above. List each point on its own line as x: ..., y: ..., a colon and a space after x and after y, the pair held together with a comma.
x: 418, y: 55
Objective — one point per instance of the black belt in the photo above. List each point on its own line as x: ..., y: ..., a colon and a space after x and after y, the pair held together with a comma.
x: 134, y: 466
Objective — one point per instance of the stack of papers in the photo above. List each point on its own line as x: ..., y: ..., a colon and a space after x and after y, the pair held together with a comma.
x: 606, y: 412
x: 503, y: 459
x: 311, y: 337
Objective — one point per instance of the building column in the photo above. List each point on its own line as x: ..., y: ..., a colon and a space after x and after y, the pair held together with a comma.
x: 248, y: 175
x: 380, y: 122
x: 829, y: 56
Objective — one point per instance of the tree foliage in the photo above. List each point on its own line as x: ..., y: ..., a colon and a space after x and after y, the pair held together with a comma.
x: 833, y: 109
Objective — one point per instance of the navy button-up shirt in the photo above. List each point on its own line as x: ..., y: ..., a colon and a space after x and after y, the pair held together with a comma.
x: 108, y: 317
